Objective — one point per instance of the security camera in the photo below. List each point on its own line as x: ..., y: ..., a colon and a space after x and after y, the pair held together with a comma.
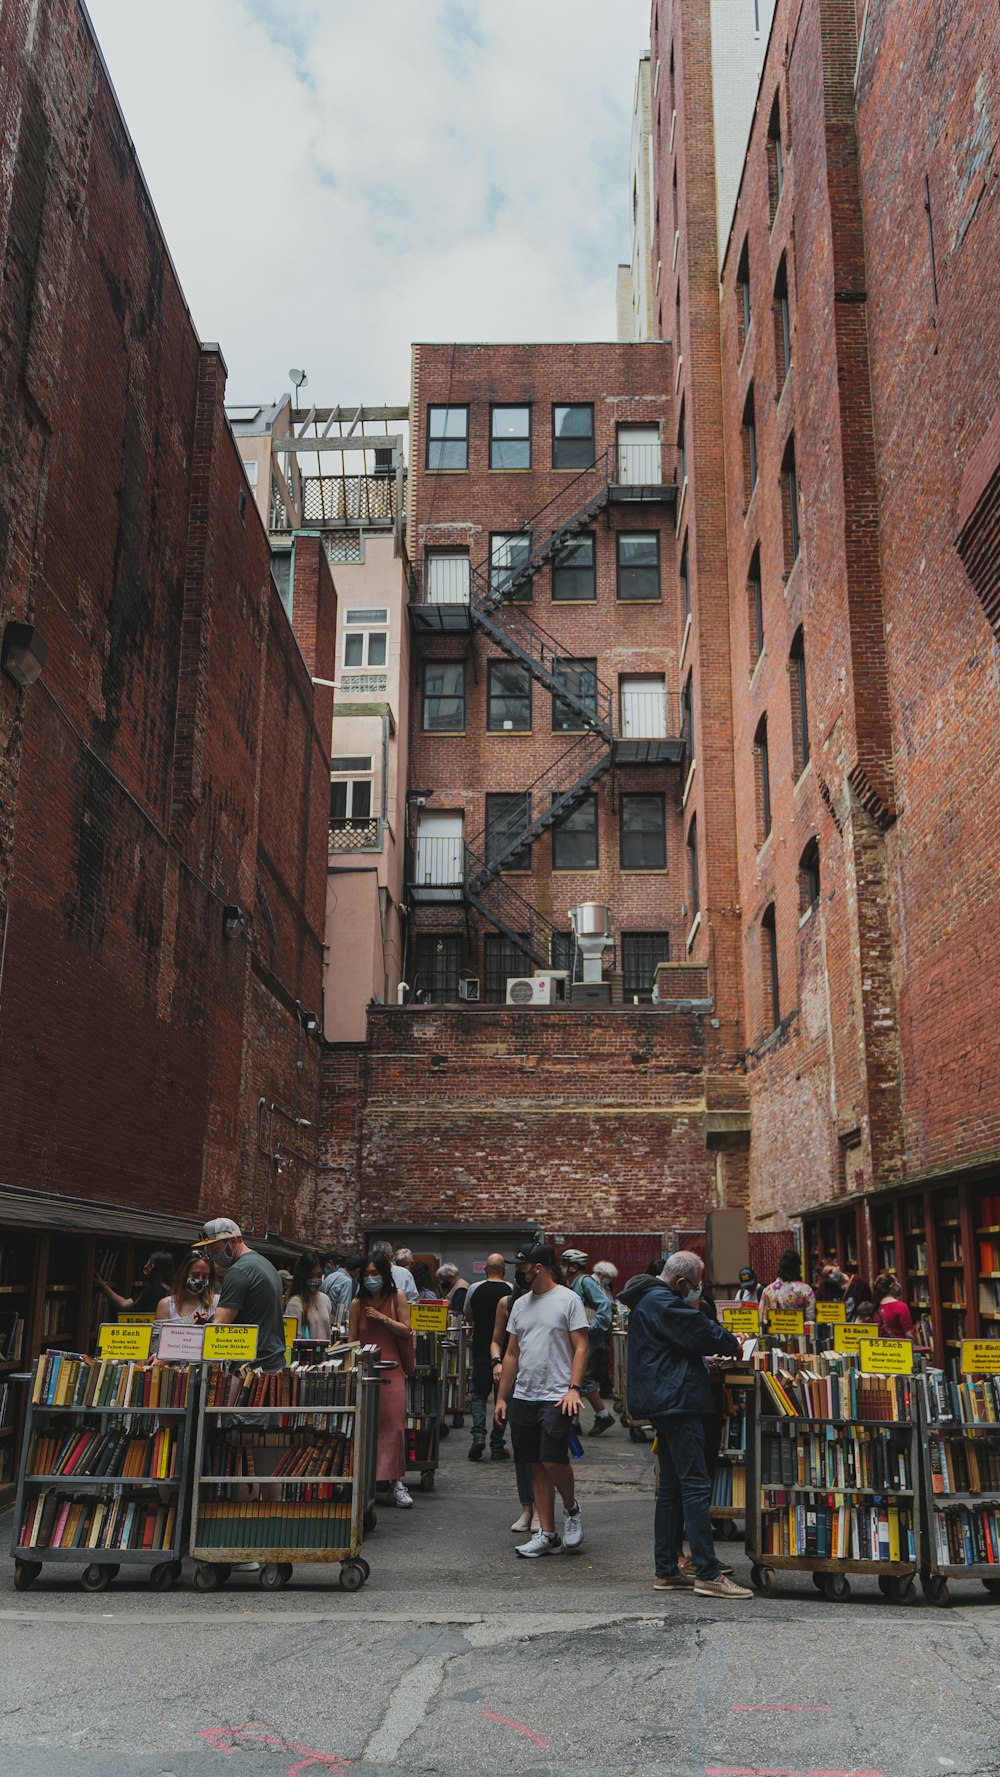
x: 419, y: 801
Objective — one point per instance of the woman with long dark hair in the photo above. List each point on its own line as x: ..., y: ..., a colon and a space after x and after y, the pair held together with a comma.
x: 307, y: 1301
x: 194, y: 1291
x: 381, y: 1316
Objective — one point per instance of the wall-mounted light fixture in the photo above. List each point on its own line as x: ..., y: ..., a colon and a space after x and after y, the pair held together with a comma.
x: 310, y: 1022
x: 24, y: 653
x: 233, y: 922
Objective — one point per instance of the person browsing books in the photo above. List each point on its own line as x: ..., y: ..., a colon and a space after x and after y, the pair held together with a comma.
x: 308, y: 1301
x: 193, y: 1293
x: 250, y: 1294
x: 381, y: 1316
x: 157, y: 1277
x: 599, y: 1312
x: 788, y: 1293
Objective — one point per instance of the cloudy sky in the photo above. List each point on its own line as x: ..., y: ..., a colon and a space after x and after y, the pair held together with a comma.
x: 336, y: 178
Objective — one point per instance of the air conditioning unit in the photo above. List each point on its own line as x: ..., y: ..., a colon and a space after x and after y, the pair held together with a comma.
x: 468, y: 987
x: 544, y: 989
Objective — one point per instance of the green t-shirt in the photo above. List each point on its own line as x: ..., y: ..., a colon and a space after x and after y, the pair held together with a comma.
x: 252, y: 1289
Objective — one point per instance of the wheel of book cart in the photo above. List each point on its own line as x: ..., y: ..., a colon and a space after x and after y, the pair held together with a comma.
x: 762, y: 1580
x: 637, y: 1434
x: 935, y: 1588
x: 164, y: 1576
x: 445, y: 1429
x: 836, y: 1586
x: 25, y: 1574
x: 427, y: 1481
x: 993, y: 1587
x: 897, y: 1587
x: 274, y: 1575
x: 724, y: 1528
x: 210, y: 1575
x: 97, y: 1579
x: 370, y: 1520
x: 353, y: 1575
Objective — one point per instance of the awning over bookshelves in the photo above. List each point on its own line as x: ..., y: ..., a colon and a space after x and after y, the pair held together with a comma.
x: 81, y: 1215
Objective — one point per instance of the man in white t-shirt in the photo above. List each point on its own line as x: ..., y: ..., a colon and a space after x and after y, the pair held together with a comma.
x: 539, y: 1391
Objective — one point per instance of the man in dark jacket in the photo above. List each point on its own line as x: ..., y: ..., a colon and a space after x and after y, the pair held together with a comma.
x: 668, y: 1341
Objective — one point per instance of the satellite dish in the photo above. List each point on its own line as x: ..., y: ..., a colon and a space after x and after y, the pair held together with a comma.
x: 298, y: 377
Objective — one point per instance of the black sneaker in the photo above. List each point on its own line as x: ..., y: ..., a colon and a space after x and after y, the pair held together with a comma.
x: 500, y: 1453
x: 476, y: 1449
x: 602, y: 1422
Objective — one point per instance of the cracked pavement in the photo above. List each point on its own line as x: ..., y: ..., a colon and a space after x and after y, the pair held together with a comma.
x: 459, y: 1660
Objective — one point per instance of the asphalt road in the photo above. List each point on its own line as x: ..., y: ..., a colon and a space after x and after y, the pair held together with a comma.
x: 460, y: 1660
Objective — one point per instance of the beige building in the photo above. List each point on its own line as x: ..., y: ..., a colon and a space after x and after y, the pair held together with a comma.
x: 340, y: 472
x: 635, y: 281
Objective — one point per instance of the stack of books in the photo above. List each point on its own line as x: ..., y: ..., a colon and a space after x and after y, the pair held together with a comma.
x: 54, y: 1522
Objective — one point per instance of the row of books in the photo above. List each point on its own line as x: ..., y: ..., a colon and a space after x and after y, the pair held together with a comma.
x: 58, y: 1316
x: 11, y: 1336
x: 729, y: 1487
x: 274, y: 1524
x: 974, y: 1402
x: 848, y: 1396
x: 6, y: 1405
x: 54, y: 1521
x: 733, y: 1435
x: 875, y: 1460
x: 964, y: 1465
x: 965, y: 1536
x: 311, y: 1385
x: 421, y: 1396
x: 418, y: 1441
x: 112, y: 1451
x: 833, y: 1527
x: 67, y: 1379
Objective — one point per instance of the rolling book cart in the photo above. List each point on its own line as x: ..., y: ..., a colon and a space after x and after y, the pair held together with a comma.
x: 833, y: 1481
x: 284, y: 1468
x: 454, y: 1374
x: 637, y: 1428
x: 729, y: 1485
x: 960, y: 1452
x: 422, y: 1424
x: 104, y: 1467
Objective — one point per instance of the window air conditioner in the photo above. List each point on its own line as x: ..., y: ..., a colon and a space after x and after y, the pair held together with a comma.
x: 545, y: 989
x: 468, y: 987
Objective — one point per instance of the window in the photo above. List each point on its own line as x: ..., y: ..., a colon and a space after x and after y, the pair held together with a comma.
x: 790, y: 507
x: 638, y: 564
x: 775, y: 159
x: 438, y: 959
x: 687, y: 716
x: 510, y: 552
x: 685, y: 581
x: 574, y: 838
x: 643, y: 833
x: 507, y: 816
x: 694, y: 877
x: 364, y: 645
x: 281, y: 574
x: 510, y: 438
x: 444, y: 697
x: 799, y: 703
x: 771, y: 1000
x: 809, y: 878
x: 782, y: 328
x: 744, y: 312
x: 573, y: 575
x: 762, y: 781
x: 579, y: 678
x: 641, y: 951
x: 447, y: 438
x: 681, y: 436
x: 503, y: 958
x: 749, y: 449
x: 755, y: 609
x: 446, y: 579
x: 508, y: 697
x: 573, y: 436
x: 351, y: 797
x: 250, y: 467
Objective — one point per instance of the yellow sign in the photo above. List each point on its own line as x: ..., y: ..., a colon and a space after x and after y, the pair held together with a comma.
x: 129, y: 1343
x: 887, y: 1357
x: 429, y: 1317
x: 226, y: 1345
x: 786, y: 1320
x: 981, y: 1357
x: 136, y: 1320
x: 851, y: 1338
x: 742, y: 1320
x: 831, y: 1313
x: 291, y: 1326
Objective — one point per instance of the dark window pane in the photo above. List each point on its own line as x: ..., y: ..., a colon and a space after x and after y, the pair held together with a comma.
x: 573, y: 570
x: 447, y: 437
x: 563, y: 951
x: 376, y: 649
x: 638, y: 565
x: 438, y: 964
x: 641, y: 951
x: 510, y: 438
x: 509, y: 696
x: 444, y: 696
x: 506, y: 817
x: 338, y: 802
x: 693, y: 867
x: 502, y: 958
x: 573, y: 437
x: 354, y: 650
x: 509, y: 556
x: 574, y: 838
x: 579, y: 677
x: 643, y: 833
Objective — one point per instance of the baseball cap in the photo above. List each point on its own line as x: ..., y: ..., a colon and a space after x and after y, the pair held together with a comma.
x: 223, y: 1228
x: 748, y: 1275
x: 573, y: 1256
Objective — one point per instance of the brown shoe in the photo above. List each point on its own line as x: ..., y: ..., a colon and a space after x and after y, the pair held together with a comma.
x: 673, y: 1582
x: 721, y: 1588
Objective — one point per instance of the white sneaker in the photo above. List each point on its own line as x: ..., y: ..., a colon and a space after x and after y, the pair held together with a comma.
x: 572, y: 1528
x: 544, y: 1542
x: 524, y: 1521
x: 400, y: 1497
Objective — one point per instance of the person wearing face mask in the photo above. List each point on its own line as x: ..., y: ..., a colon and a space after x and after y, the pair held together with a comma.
x: 193, y: 1294
x: 157, y: 1273
x: 308, y: 1301
x: 381, y: 1316
x: 250, y: 1294
x: 669, y: 1339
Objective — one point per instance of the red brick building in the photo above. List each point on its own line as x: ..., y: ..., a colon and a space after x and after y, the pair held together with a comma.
x: 165, y: 781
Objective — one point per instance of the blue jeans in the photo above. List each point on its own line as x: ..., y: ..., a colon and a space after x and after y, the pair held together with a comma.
x: 684, y: 1497
x: 478, y: 1404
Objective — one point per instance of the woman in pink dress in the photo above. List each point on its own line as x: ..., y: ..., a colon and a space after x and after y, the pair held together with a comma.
x: 381, y: 1316
x: 891, y: 1312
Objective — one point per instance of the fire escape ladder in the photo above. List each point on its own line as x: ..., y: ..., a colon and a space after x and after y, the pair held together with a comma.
x: 556, y: 791
x: 507, y: 911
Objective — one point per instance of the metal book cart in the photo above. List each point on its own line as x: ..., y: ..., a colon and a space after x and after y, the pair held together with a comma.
x: 311, y: 1505
x: 454, y: 1375
x: 105, y: 1520
x: 637, y: 1428
x: 896, y: 1579
x: 727, y: 1509
x: 949, y: 1516
x: 422, y: 1425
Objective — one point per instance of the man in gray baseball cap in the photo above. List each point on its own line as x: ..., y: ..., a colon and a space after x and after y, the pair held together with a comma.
x: 251, y: 1289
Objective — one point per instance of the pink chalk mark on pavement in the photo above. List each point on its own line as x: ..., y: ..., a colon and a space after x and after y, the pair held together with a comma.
x: 518, y: 1727
x: 257, y: 1733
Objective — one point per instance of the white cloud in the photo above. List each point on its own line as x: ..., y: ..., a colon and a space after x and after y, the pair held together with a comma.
x: 337, y: 178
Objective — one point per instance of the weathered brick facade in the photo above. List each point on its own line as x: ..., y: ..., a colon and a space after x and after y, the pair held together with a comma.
x: 173, y: 758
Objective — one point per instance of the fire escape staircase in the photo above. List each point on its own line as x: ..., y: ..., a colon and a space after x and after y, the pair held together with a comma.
x: 556, y: 791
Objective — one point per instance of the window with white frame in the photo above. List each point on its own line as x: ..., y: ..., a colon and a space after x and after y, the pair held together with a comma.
x: 366, y: 638
x: 351, y: 787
